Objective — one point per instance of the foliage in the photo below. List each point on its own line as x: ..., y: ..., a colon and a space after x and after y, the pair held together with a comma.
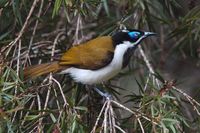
x: 38, y: 31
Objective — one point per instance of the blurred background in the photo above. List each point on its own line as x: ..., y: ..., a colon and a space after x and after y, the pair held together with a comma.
x: 37, y: 31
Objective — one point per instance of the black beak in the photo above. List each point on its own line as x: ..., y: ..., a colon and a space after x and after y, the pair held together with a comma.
x: 150, y: 33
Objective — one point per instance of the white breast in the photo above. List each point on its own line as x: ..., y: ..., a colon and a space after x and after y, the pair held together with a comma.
x: 97, y: 76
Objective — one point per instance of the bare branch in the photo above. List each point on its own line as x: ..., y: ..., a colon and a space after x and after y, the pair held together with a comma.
x: 10, y: 45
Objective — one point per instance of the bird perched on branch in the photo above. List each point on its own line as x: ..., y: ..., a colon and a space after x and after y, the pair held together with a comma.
x: 94, y: 61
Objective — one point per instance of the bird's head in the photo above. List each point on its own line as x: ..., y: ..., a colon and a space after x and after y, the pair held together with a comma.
x: 132, y: 36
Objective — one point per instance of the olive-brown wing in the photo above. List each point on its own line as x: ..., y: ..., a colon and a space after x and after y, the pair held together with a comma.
x: 93, y: 54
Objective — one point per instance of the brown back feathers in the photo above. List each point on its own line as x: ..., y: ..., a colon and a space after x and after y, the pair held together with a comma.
x: 92, y: 55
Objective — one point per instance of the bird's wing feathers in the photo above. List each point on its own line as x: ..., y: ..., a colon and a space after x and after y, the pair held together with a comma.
x: 97, y: 54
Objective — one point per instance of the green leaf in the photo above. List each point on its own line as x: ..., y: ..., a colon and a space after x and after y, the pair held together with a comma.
x: 140, y: 86
x: 81, y: 108
x: 169, y: 121
x: 16, y: 10
x: 173, y: 128
x: 56, y: 8
x: 4, y: 35
x: 105, y: 4
x: 3, y: 2
x: 53, y: 118
x: 31, y: 117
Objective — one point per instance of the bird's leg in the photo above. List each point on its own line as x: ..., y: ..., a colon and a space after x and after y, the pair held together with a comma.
x: 103, y: 94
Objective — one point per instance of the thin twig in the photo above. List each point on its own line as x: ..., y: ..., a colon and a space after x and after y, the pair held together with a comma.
x: 109, y: 116
x: 15, y: 91
x: 61, y: 91
x: 146, y: 84
x: 149, y: 66
x: 113, y: 119
x: 56, y: 95
x: 98, y: 118
x: 134, y: 113
x: 192, y: 101
x: 120, y: 129
x: 186, y: 95
x: 106, y: 116
x: 110, y: 121
x: 39, y: 108
x: 31, y: 106
x: 141, y: 126
x: 34, y: 30
x: 18, y: 57
x: 11, y: 44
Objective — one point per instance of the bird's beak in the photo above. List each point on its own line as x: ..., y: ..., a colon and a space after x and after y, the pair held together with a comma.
x: 150, y: 33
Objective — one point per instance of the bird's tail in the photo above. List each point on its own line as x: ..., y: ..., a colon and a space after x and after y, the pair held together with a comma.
x: 41, y: 69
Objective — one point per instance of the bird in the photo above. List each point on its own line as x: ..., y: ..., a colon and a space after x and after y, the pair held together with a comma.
x: 95, y: 61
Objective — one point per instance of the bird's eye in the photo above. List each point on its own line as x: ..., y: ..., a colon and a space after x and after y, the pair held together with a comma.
x: 134, y: 35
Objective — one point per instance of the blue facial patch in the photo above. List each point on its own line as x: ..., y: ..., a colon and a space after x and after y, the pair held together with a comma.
x: 134, y: 34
